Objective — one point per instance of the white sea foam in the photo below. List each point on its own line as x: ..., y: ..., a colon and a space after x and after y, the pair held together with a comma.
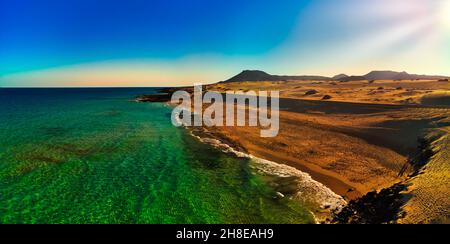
x: 308, y: 189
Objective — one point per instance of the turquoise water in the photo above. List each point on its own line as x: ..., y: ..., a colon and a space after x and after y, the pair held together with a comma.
x: 92, y: 156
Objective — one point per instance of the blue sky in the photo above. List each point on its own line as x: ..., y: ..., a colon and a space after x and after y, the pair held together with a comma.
x: 175, y: 42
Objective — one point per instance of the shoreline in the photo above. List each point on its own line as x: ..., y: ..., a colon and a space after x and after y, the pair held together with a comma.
x: 325, y: 195
x: 331, y: 179
x: 288, y: 181
x: 392, y: 134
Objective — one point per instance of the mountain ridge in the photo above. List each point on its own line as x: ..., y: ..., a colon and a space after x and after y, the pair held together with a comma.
x: 258, y: 75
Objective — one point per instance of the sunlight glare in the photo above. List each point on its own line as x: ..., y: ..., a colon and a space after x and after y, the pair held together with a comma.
x: 444, y: 14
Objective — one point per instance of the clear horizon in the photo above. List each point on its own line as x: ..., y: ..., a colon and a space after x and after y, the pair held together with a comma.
x: 214, y: 82
x: 175, y: 43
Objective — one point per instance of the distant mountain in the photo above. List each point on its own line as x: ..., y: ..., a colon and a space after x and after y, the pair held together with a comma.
x: 251, y: 75
x: 384, y: 75
x: 306, y: 77
x: 340, y: 76
x: 352, y: 78
x: 392, y: 75
x: 257, y: 75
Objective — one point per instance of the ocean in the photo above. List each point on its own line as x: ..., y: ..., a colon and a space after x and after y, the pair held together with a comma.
x: 92, y: 155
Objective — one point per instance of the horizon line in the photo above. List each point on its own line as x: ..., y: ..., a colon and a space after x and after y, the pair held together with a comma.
x: 215, y: 82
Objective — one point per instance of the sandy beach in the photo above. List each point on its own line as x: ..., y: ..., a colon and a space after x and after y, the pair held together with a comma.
x: 352, y: 148
x: 369, y: 151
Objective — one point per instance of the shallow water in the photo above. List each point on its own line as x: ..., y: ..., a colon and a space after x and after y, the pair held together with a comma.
x: 92, y: 156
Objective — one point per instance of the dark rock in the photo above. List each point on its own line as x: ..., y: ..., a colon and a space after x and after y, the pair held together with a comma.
x: 154, y: 98
x: 311, y: 92
x: 326, y: 97
x: 373, y: 208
